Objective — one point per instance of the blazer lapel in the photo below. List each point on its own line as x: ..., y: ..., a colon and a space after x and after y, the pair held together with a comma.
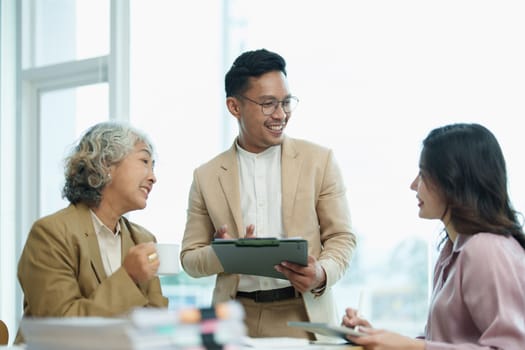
x: 85, y: 221
x: 125, y: 239
x: 290, y: 171
x: 229, y: 181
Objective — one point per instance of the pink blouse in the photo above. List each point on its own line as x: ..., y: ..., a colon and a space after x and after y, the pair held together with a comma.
x: 478, y: 301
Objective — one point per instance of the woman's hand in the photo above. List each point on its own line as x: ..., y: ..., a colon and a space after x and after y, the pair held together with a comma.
x: 351, y: 319
x: 141, y: 263
x: 379, y: 339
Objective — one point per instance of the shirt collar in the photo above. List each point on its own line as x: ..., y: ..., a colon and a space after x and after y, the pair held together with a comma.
x: 266, y: 153
x: 460, y: 242
x: 100, y: 227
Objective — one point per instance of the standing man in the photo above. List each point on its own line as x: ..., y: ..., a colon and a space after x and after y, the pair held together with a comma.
x: 270, y: 185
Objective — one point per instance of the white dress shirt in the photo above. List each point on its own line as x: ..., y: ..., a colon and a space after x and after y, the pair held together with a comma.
x: 260, y: 181
x: 109, y: 244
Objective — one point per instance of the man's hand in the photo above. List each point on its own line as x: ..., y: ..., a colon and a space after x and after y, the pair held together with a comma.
x: 304, y: 278
x: 141, y: 263
x: 222, y: 232
x: 250, y: 231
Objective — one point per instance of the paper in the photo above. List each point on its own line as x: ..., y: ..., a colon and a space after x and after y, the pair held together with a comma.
x: 258, y: 256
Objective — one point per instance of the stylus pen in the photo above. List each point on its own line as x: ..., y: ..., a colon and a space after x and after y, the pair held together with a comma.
x: 360, y: 304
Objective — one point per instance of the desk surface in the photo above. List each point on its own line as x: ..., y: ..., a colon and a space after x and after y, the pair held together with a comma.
x: 309, y: 347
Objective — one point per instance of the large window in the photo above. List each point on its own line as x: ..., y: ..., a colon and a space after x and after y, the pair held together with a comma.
x: 58, y: 31
x: 59, y: 62
x: 74, y: 110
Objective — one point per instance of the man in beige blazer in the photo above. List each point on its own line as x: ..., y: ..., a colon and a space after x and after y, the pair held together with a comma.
x: 87, y: 259
x: 268, y: 184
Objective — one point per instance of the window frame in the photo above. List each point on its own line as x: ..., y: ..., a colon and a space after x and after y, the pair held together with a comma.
x: 20, y: 125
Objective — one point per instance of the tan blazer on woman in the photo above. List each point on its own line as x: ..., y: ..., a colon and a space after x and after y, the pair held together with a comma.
x: 61, y: 271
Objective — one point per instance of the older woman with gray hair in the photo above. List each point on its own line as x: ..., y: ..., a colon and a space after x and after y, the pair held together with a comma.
x: 88, y: 259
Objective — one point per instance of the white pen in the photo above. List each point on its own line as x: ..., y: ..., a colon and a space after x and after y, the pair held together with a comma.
x: 359, y: 311
x: 360, y: 304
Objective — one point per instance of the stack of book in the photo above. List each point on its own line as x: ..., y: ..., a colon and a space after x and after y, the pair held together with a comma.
x: 218, y: 327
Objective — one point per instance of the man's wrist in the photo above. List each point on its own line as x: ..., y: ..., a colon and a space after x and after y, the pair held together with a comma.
x: 321, y: 273
x: 319, y: 290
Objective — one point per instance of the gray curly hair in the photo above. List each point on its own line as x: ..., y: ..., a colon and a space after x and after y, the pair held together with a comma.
x: 87, y: 167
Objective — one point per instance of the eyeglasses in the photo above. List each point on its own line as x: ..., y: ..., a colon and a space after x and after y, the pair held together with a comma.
x: 270, y: 106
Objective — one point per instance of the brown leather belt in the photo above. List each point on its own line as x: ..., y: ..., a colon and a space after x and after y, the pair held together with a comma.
x: 265, y: 296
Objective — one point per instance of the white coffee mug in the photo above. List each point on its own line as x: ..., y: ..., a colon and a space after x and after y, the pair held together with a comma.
x: 169, y: 258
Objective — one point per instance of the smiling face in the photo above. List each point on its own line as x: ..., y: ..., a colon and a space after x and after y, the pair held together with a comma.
x: 131, y: 181
x: 431, y: 203
x: 258, y: 132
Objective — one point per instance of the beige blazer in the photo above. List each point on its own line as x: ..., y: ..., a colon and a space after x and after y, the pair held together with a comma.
x: 61, y: 271
x: 314, y: 207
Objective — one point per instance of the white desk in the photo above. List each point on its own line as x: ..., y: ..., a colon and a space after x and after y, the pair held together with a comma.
x: 309, y: 347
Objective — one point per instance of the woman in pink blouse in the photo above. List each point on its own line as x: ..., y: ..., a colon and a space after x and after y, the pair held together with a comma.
x: 478, y: 299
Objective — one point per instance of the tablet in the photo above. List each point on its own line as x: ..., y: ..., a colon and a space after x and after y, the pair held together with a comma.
x: 326, y: 329
x: 258, y: 256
